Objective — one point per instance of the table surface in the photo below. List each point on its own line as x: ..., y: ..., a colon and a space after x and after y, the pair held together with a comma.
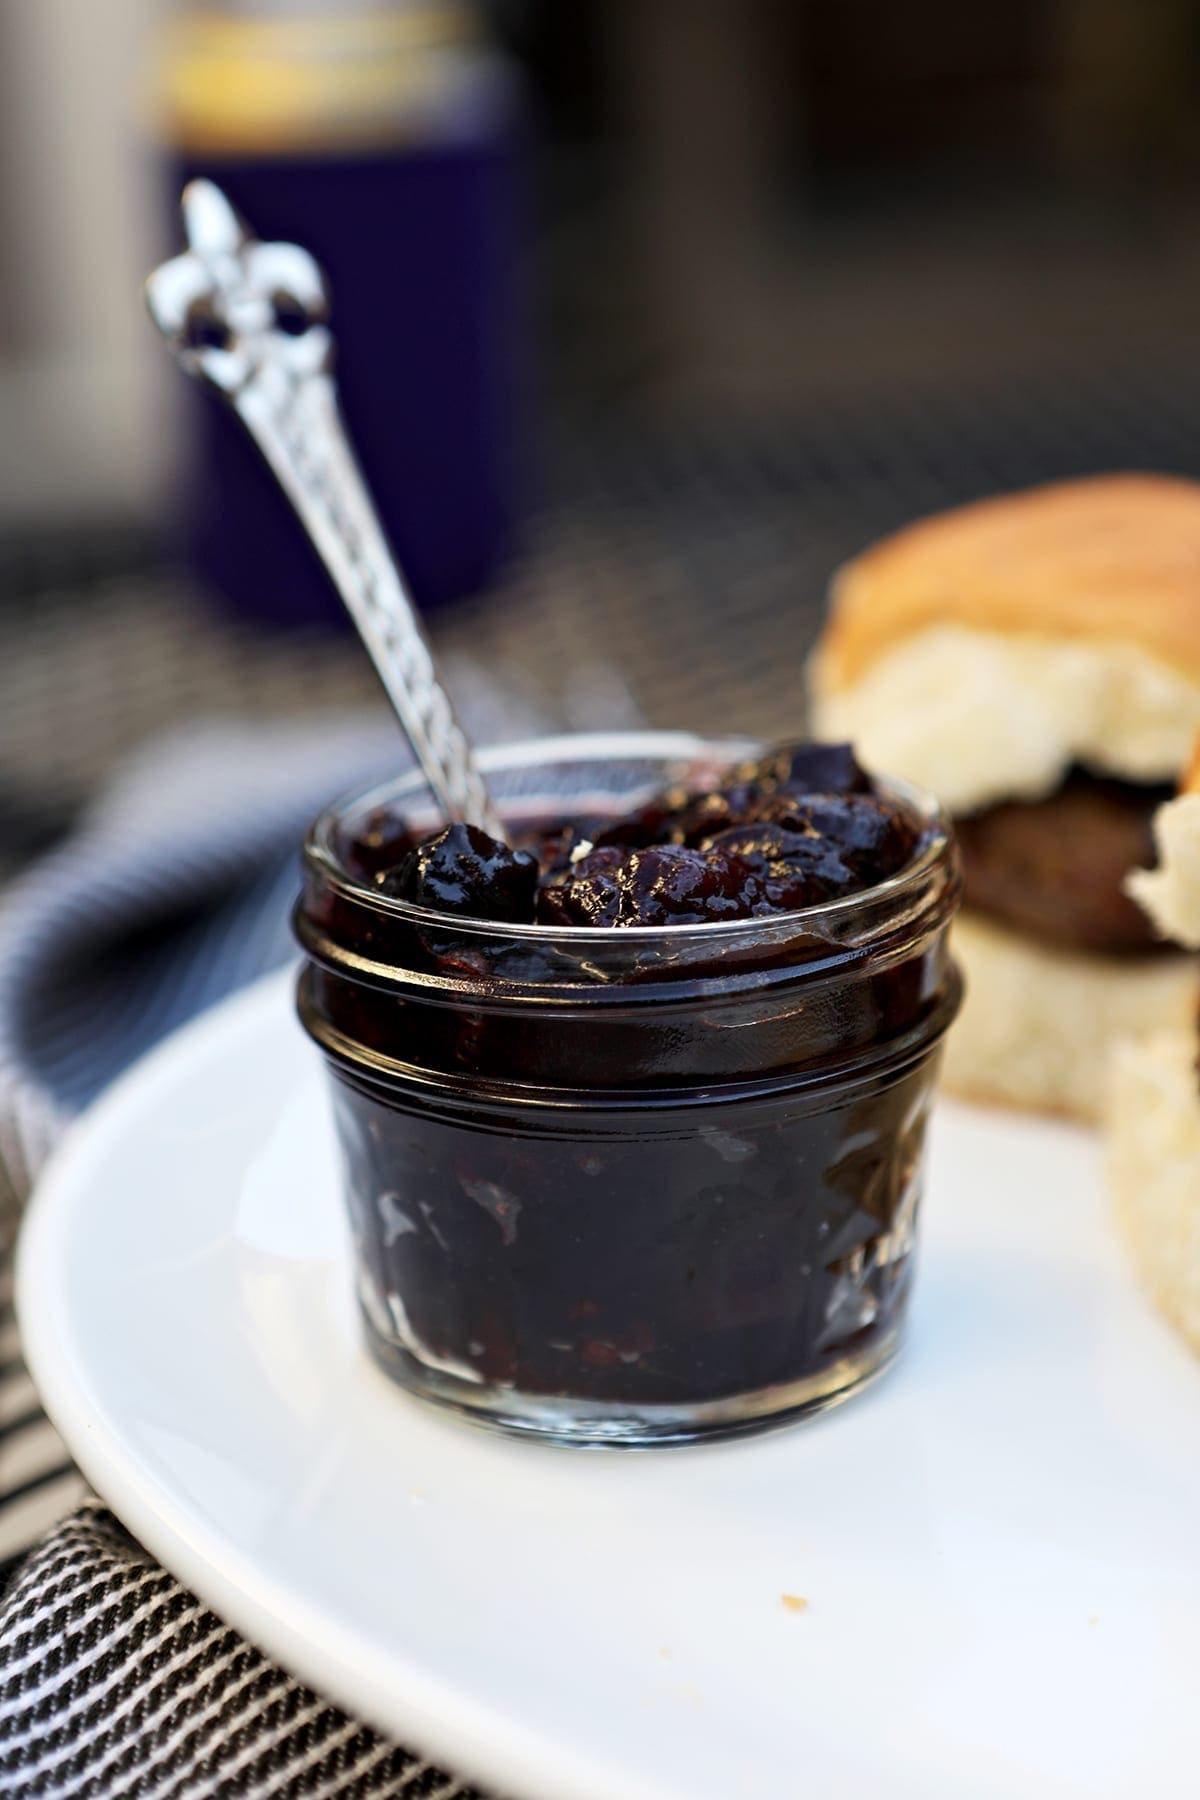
x: 673, y: 574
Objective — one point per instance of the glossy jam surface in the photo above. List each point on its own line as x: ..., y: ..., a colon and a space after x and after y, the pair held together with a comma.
x: 798, y: 827
x: 629, y: 1185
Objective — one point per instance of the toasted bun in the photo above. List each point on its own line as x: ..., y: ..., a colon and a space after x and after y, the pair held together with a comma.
x: 983, y: 651
x: 1153, y: 1155
x: 1037, y: 1025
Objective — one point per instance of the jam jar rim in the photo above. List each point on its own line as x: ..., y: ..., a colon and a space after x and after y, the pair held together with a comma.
x: 317, y: 849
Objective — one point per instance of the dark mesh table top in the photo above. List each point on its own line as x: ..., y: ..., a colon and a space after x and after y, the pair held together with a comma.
x: 675, y: 577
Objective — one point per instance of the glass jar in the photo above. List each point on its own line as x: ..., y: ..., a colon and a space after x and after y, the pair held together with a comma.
x: 628, y: 1186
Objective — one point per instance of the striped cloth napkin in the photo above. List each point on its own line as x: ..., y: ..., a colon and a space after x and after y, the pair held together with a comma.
x: 114, y: 1680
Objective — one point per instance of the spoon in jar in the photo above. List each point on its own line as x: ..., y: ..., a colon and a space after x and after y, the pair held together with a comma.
x: 226, y: 308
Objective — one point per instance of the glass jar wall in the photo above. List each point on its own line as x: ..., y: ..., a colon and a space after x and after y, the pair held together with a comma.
x: 639, y: 1185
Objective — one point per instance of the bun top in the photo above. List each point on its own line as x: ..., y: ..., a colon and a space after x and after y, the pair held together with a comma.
x: 1112, y: 557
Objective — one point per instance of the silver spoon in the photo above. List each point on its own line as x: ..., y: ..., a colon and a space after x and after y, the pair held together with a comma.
x: 216, y: 306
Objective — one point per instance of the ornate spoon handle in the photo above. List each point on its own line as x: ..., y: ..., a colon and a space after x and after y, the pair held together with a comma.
x: 218, y: 307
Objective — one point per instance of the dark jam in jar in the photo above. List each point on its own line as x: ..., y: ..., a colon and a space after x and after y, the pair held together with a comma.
x: 632, y: 1112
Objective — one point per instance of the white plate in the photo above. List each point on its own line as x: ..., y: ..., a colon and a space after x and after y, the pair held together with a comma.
x: 999, y: 1543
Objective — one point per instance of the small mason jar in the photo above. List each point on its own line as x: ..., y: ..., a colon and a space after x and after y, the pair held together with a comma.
x: 628, y: 1186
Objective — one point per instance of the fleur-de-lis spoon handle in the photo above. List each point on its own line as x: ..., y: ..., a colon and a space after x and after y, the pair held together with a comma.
x: 219, y: 308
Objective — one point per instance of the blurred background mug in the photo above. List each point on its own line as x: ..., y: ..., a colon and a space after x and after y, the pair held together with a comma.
x: 385, y: 136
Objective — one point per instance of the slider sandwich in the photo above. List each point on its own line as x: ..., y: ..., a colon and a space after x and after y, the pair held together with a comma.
x: 1034, y: 659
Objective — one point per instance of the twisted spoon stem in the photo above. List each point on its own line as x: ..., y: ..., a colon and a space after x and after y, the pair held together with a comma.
x: 218, y: 308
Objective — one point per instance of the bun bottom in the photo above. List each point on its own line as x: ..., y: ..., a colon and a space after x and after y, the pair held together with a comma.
x: 1037, y: 1025
x: 1153, y: 1156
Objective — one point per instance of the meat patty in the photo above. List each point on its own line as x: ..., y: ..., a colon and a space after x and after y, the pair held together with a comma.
x: 1053, y: 868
